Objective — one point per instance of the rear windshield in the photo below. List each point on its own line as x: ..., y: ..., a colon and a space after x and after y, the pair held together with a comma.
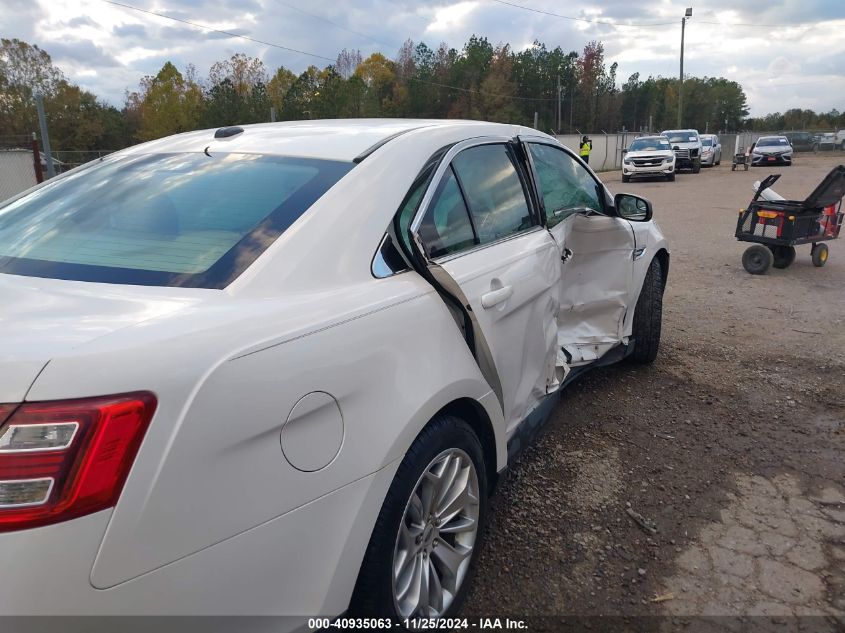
x: 189, y: 220
x: 707, y: 142
x: 649, y: 144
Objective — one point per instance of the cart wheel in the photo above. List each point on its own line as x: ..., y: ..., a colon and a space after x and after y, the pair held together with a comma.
x: 784, y: 256
x: 757, y: 259
x: 819, y: 255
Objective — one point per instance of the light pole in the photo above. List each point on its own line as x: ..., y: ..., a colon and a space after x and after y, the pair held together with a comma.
x: 687, y: 14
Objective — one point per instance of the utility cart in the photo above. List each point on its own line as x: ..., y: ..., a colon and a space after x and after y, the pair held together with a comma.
x: 740, y: 159
x: 777, y: 226
x: 741, y: 156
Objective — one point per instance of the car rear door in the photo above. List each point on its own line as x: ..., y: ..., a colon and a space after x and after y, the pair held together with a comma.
x: 598, y: 248
x: 483, y: 240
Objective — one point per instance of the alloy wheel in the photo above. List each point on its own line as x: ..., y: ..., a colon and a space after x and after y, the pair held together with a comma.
x: 437, y: 536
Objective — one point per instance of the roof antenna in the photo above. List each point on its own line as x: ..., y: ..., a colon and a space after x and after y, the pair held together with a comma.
x: 206, y: 151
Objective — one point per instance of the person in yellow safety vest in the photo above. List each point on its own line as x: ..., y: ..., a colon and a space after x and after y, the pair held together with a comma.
x: 586, y: 146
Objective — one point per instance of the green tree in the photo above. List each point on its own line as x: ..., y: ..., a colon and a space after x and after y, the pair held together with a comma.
x: 166, y: 104
x: 25, y: 70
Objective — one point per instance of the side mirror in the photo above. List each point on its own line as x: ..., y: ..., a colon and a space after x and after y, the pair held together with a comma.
x: 633, y: 208
x: 676, y: 147
x: 624, y: 151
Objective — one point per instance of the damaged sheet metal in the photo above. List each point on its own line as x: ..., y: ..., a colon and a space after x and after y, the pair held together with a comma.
x: 520, y: 330
x: 595, y: 285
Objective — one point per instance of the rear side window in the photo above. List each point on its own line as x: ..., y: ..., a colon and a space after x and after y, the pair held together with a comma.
x: 494, y: 191
x: 190, y: 220
x: 446, y: 227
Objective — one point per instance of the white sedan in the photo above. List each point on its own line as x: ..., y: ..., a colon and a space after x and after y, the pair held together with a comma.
x: 276, y: 370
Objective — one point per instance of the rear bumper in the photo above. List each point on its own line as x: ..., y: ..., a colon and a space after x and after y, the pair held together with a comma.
x: 304, y: 563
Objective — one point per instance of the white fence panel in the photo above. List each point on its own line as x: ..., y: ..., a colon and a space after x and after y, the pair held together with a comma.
x: 17, y: 172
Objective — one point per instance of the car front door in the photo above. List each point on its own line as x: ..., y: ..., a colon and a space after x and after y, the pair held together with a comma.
x: 598, y: 248
x: 482, y: 235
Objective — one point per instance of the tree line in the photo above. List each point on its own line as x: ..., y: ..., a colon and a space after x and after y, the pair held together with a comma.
x: 565, y: 91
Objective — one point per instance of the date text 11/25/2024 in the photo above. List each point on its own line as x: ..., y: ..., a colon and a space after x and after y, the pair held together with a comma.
x: 419, y: 624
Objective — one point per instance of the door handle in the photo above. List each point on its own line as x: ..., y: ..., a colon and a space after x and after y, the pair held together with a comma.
x: 495, y: 297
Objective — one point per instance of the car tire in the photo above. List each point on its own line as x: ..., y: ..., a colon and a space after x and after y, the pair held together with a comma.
x: 696, y: 167
x: 374, y: 591
x: 626, y: 178
x: 783, y: 256
x: 819, y: 255
x: 648, y: 316
x: 670, y: 177
x: 757, y: 259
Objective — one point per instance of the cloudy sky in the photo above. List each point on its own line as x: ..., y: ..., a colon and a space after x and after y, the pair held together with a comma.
x: 785, y: 53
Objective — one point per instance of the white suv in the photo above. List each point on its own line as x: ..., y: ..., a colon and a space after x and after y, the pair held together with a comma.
x: 648, y: 156
x: 688, y: 148
x: 276, y: 369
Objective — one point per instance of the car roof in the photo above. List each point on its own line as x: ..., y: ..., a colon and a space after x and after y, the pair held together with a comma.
x: 707, y: 135
x: 771, y: 136
x: 336, y: 139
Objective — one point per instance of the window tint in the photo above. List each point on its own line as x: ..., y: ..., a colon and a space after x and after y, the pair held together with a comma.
x: 565, y: 185
x: 188, y: 220
x: 494, y: 191
x: 445, y: 227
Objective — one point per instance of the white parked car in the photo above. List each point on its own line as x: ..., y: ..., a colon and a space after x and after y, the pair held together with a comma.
x: 648, y: 156
x: 711, y: 150
x: 828, y: 140
x: 276, y: 370
x: 771, y: 150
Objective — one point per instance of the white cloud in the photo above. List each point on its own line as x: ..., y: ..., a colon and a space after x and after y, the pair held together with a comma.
x: 450, y: 17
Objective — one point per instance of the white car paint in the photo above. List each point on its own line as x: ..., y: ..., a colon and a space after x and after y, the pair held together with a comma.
x: 222, y: 515
x: 653, y: 161
x: 711, y: 155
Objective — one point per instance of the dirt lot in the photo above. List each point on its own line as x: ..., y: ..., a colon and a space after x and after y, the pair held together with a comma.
x: 732, y: 444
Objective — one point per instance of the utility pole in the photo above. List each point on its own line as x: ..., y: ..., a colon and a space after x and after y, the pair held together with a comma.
x: 558, y: 104
x: 36, y: 159
x: 687, y: 14
x: 45, y: 138
x: 535, y: 119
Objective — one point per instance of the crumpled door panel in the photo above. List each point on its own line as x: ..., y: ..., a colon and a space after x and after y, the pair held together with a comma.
x: 595, y: 284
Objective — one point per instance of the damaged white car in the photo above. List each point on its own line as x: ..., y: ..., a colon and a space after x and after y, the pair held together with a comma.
x: 276, y: 370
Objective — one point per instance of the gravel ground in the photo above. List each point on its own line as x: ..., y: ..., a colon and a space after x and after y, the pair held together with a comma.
x: 731, y: 445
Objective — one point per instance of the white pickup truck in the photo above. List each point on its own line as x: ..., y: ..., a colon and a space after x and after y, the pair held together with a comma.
x: 840, y: 140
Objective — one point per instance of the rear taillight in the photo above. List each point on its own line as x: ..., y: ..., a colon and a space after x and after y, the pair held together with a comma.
x: 60, y: 460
